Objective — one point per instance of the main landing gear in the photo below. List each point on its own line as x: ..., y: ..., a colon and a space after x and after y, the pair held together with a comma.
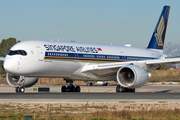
x: 19, y: 89
x: 122, y: 89
x: 89, y: 84
x: 70, y: 87
x: 105, y: 84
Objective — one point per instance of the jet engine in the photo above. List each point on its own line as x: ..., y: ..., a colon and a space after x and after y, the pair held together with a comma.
x: 132, y: 76
x: 20, y: 81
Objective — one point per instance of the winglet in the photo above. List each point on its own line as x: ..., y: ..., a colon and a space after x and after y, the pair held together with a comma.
x: 158, y: 38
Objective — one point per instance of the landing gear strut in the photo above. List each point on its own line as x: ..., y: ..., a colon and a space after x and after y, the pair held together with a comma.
x: 19, y: 89
x: 70, y: 87
x: 122, y: 89
x: 89, y: 84
x: 105, y: 84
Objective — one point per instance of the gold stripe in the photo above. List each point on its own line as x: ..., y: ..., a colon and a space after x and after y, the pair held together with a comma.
x: 89, y: 61
x: 86, y: 60
x: 90, y: 58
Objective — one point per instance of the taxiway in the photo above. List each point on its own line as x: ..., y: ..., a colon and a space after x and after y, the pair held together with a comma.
x: 147, y: 93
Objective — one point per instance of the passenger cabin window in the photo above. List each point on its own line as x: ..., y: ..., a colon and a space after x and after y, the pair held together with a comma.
x: 17, y: 52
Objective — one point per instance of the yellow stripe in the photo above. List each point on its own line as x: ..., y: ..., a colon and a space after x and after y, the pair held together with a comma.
x: 90, y: 58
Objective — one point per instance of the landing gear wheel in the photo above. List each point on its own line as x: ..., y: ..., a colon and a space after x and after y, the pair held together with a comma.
x: 90, y: 84
x: 77, y: 89
x: 21, y: 89
x: 105, y: 84
x: 68, y: 89
x: 63, y: 89
x: 72, y: 88
x: 129, y: 90
x: 17, y: 89
x: 132, y: 90
x: 120, y: 89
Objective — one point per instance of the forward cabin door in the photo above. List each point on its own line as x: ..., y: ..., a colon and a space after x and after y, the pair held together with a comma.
x: 40, y: 53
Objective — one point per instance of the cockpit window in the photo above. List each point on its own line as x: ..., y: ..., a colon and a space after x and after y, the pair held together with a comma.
x: 17, y: 52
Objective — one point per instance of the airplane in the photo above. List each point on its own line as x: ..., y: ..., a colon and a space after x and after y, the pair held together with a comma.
x: 129, y: 66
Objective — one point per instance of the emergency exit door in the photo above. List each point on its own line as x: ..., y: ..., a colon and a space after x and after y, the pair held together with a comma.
x: 40, y: 53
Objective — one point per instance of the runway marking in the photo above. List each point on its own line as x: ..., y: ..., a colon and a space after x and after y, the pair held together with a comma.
x: 165, y: 91
x: 54, y: 91
x: 162, y: 101
x: 126, y: 101
x: 35, y: 89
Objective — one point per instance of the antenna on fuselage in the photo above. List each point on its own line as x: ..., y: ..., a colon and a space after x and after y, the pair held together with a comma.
x: 128, y: 45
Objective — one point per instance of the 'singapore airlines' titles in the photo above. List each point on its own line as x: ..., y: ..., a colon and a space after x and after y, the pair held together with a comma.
x: 65, y: 48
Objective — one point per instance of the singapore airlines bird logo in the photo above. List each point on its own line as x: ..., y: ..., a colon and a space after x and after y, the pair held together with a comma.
x: 159, y: 33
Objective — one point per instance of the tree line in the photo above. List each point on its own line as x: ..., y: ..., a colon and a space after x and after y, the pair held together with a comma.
x: 5, y: 46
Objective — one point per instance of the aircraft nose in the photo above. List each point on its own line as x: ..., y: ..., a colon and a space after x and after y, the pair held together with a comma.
x: 8, y: 66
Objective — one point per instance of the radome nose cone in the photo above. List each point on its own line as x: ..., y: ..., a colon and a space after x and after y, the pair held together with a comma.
x: 7, y: 66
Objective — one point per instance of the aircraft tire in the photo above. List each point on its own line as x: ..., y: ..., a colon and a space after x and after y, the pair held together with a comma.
x: 105, y: 84
x: 120, y: 89
x: 63, y: 89
x: 129, y: 89
x: 17, y: 89
x: 78, y: 89
x: 132, y: 90
x: 21, y: 89
x: 72, y: 88
x: 117, y: 88
x: 90, y: 84
x: 68, y: 89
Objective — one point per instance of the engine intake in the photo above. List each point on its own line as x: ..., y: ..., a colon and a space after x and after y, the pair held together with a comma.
x: 20, y: 81
x: 132, y: 76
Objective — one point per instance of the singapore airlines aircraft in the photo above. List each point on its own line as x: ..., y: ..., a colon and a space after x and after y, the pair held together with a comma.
x: 129, y: 66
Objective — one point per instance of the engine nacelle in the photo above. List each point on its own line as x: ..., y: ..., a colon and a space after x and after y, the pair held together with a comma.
x: 132, y: 76
x: 20, y: 81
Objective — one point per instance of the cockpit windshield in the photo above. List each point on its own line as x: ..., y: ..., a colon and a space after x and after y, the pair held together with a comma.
x: 17, y: 52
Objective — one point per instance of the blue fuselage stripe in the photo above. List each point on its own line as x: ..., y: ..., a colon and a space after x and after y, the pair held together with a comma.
x: 93, y: 57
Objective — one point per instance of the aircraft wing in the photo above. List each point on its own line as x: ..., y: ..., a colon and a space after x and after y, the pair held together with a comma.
x: 104, y: 68
x: 168, y: 60
x: 111, y: 68
x: 2, y: 58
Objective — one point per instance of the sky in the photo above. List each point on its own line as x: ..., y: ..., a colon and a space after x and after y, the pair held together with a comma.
x: 116, y: 22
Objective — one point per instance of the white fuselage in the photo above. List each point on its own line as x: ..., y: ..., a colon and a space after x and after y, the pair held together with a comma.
x: 67, y: 59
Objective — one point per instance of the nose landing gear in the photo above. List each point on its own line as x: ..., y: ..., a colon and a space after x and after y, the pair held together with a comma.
x: 19, y: 89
